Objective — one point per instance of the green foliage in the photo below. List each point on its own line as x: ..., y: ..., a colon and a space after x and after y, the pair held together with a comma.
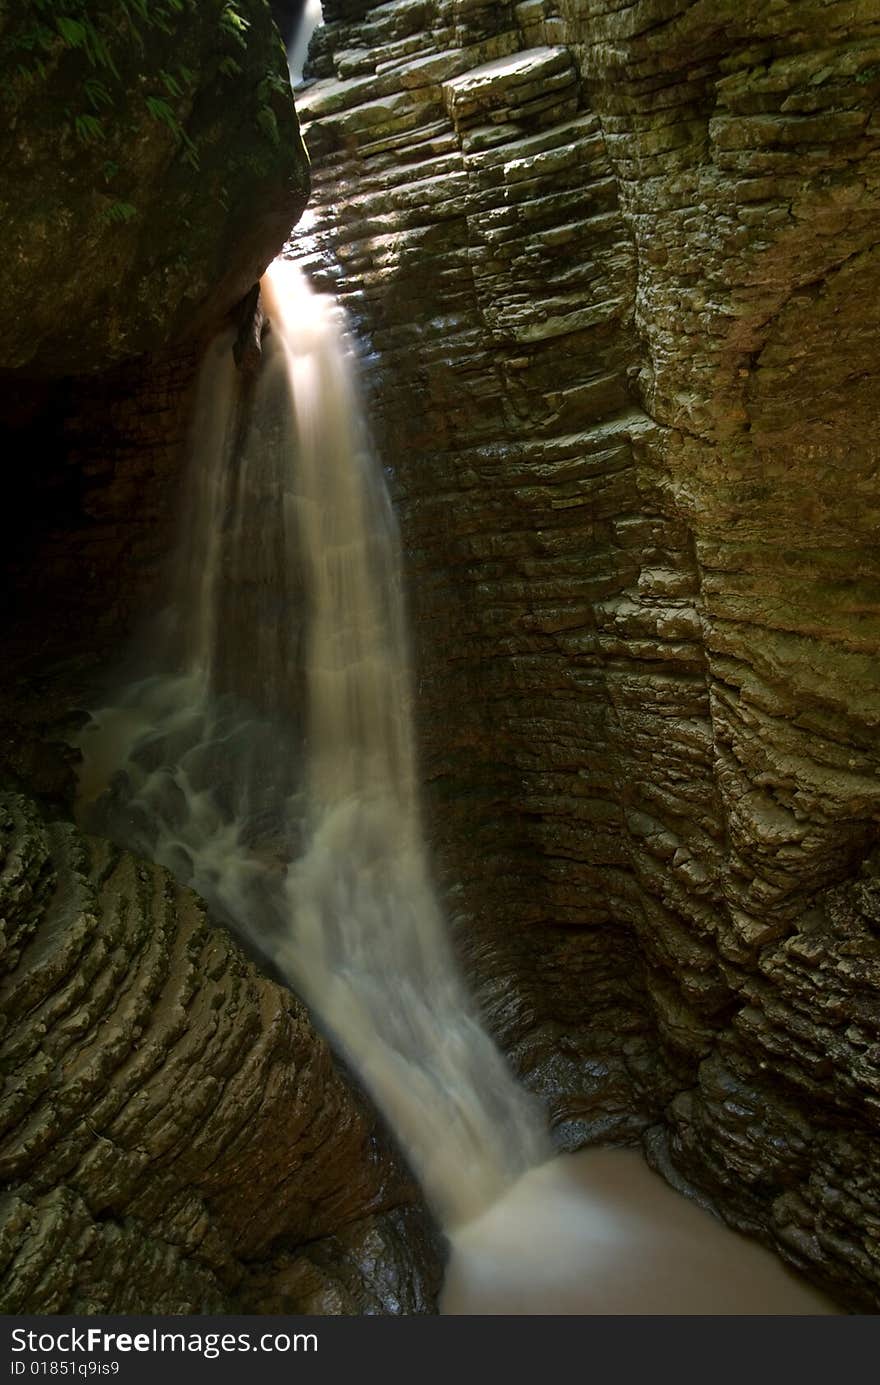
x: 268, y: 125
x: 88, y: 128
x: 273, y: 82
x: 140, y: 7
x: 45, y: 30
x: 110, y: 67
x: 120, y: 212
x: 233, y: 25
x: 170, y: 83
x: 160, y: 110
x: 73, y: 31
x: 82, y: 33
x: 96, y: 93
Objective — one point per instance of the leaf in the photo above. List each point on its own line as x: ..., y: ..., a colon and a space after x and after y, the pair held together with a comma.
x: 96, y: 93
x: 234, y: 25
x: 269, y: 125
x: 88, y: 128
x: 142, y: 12
x: 99, y: 53
x: 160, y: 110
x: 73, y: 32
x: 120, y: 212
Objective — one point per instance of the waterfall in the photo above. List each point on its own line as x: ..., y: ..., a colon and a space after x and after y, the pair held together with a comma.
x: 273, y: 766
x: 298, y: 44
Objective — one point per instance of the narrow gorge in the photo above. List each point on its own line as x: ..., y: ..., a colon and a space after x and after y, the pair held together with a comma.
x: 612, y: 275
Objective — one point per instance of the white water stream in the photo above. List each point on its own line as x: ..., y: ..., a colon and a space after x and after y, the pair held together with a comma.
x: 307, y: 837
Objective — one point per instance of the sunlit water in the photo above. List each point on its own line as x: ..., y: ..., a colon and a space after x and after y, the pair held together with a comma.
x: 271, y: 767
x: 298, y: 51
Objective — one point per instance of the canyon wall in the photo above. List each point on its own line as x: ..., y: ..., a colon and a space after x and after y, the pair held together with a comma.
x: 614, y: 271
x: 175, y: 1137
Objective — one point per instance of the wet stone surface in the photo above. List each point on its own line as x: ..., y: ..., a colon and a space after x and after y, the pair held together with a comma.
x: 176, y: 1137
x: 621, y: 365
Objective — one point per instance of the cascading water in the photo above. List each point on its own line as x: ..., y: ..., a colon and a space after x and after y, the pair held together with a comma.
x: 273, y: 770
x: 308, y: 838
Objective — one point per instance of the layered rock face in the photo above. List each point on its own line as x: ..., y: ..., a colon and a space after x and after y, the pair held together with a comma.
x: 173, y: 1129
x: 615, y: 272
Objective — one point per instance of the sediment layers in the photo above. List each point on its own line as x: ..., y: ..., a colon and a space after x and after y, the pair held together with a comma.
x: 613, y: 271
x: 176, y: 1137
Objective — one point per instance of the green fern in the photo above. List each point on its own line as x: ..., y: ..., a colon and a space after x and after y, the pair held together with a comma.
x: 82, y: 34
x: 87, y: 33
x: 88, y: 128
x: 268, y: 125
x: 120, y: 212
x: 96, y: 93
x: 73, y: 31
x: 273, y: 82
x: 171, y: 84
x: 160, y: 110
x: 234, y: 25
x: 140, y: 7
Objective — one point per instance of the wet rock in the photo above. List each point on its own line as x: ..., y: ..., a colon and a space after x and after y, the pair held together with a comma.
x: 386, y: 1265
x: 174, y: 1130
x: 251, y: 322
x: 152, y: 168
x: 622, y: 365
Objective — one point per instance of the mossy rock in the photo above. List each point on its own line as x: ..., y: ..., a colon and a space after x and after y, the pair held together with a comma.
x: 152, y: 166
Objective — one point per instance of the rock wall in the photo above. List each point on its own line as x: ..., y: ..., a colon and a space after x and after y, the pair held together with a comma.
x: 614, y: 272
x: 174, y: 1131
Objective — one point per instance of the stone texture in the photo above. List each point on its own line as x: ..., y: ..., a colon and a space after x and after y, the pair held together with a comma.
x: 614, y: 268
x: 173, y: 1130
x: 154, y: 152
x: 385, y: 1265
